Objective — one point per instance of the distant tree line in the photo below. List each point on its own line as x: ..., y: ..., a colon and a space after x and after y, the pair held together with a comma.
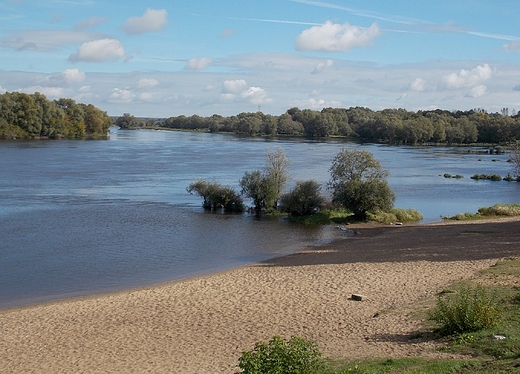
x: 392, y: 126
x: 29, y: 116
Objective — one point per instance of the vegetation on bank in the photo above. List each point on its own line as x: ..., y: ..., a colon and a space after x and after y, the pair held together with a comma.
x: 391, y: 126
x: 30, y: 116
x: 497, y: 210
x: 358, y: 188
x: 481, y: 323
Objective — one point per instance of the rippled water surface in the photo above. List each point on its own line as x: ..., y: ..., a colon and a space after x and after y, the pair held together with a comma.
x: 82, y: 217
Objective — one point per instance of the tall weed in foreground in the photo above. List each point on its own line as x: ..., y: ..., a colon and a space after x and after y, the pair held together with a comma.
x: 471, y: 309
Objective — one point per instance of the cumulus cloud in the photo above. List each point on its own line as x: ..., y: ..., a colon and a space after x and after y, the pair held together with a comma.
x: 146, y: 96
x: 254, y: 95
x: 99, y: 51
x: 147, y: 83
x: 316, y: 104
x: 466, y: 78
x: 151, y: 21
x: 73, y: 76
x: 477, y: 91
x: 121, y: 96
x: 322, y: 66
x: 418, y: 85
x: 49, y: 92
x: 233, y: 86
x: 514, y: 46
x: 2, y: 90
x: 332, y: 37
x: 198, y: 63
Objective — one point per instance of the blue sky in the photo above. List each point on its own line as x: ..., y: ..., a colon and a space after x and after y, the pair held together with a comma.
x: 167, y: 58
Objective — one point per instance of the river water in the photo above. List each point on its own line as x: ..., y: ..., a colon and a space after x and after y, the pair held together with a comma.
x: 84, y: 217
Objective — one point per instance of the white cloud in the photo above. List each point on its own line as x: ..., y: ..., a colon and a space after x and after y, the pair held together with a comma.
x: 466, y: 78
x: 84, y: 89
x: 477, y: 91
x: 198, y: 63
x: 146, y: 96
x: 99, y: 51
x: 332, y: 37
x: 46, y: 40
x: 233, y: 86
x: 227, y: 97
x: 316, y: 104
x: 73, y: 76
x: 418, y: 85
x: 49, y: 92
x: 147, y: 83
x: 402, y: 97
x: 151, y: 21
x: 322, y: 66
x: 121, y: 96
x: 254, y: 95
x: 2, y: 90
x: 514, y: 46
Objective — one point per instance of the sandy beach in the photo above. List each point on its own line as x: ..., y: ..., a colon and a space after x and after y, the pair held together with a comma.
x: 202, y: 325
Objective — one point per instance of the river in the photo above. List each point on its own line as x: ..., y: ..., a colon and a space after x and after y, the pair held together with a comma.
x: 84, y: 217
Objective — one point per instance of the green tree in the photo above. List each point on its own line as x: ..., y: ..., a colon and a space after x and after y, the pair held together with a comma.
x: 514, y: 159
x: 358, y: 183
x: 304, y: 199
x: 216, y: 196
x: 279, y: 356
x: 129, y: 122
x: 265, y: 188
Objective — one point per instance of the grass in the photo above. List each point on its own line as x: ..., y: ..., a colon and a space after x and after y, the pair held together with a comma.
x: 497, y: 210
x: 486, y: 354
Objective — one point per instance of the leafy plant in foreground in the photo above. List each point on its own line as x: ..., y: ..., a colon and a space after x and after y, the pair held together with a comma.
x: 279, y: 356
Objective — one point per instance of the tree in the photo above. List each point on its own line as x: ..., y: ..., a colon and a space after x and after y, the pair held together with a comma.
x: 128, y: 122
x: 514, y: 159
x: 265, y: 188
x: 216, y: 196
x: 304, y: 199
x: 358, y: 183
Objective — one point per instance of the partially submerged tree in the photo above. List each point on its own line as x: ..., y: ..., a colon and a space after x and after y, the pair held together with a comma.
x: 358, y: 183
x: 514, y: 159
x: 265, y: 187
x: 304, y: 199
x: 217, y: 196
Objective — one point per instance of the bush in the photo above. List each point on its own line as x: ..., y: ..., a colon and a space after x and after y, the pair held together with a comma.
x: 296, y: 356
x: 472, y: 309
x: 396, y: 215
x: 217, y: 197
x: 501, y: 210
x: 304, y: 199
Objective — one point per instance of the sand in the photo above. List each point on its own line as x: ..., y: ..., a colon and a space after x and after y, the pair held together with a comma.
x: 202, y: 325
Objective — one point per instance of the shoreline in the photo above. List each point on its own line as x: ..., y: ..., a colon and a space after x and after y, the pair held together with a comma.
x: 202, y: 324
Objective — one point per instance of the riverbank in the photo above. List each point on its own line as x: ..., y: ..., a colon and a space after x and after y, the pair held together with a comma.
x: 202, y: 325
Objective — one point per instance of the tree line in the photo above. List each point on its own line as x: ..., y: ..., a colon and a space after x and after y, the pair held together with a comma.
x: 29, y: 116
x: 392, y: 126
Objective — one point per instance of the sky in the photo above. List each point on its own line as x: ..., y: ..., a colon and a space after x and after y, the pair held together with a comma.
x: 163, y: 58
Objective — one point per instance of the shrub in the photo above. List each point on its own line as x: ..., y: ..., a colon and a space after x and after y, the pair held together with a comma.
x: 471, y: 309
x: 296, y: 356
x: 216, y: 196
x: 447, y: 175
x: 508, y: 210
x: 304, y: 199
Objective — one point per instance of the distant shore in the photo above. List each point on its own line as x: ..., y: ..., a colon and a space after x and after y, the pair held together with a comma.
x: 202, y: 324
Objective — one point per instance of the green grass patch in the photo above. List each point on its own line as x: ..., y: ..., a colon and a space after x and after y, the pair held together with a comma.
x: 396, y: 215
x: 497, y: 210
